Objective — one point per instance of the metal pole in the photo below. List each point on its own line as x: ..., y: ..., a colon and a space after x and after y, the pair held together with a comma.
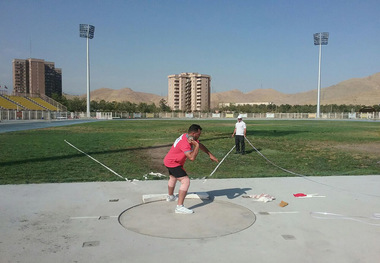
x: 88, y: 80
x: 319, y: 77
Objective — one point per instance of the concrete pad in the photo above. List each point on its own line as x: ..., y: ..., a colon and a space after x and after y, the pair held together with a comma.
x: 78, y: 222
x: 160, y: 197
x: 210, y: 219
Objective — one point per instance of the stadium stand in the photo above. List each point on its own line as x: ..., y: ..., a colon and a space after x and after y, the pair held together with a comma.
x: 43, y: 103
x: 34, y: 103
x: 25, y: 102
x: 6, y: 104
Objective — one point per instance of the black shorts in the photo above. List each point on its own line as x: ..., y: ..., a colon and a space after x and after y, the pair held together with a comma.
x: 177, y: 172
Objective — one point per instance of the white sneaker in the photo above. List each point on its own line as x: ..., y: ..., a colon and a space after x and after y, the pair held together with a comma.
x: 171, y: 198
x: 180, y: 209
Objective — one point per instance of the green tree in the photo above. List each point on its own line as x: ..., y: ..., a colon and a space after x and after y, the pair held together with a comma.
x: 94, y: 105
x: 60, y: 98
x: 163, y: 106
x: 77, y: 105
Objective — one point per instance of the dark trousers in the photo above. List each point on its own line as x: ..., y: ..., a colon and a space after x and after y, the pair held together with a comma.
x: 239, y: 141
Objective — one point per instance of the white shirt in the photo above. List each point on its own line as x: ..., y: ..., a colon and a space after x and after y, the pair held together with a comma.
x: 240, y: 126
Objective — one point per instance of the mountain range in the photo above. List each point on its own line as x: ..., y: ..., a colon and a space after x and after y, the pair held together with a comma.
x: 357, y: 91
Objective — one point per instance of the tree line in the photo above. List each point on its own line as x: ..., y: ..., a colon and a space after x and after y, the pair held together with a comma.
x: 80, y: 105
x: 286, y: 108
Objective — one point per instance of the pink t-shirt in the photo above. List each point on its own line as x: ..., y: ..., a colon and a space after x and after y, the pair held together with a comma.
x: 176, y: 156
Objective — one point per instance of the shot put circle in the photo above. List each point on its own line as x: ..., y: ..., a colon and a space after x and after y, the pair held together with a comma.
x: 210, y: 219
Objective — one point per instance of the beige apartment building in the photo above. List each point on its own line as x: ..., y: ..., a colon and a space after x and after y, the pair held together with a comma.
x: 36, y: 76
x: 20, y: 76
x: 189, y: 92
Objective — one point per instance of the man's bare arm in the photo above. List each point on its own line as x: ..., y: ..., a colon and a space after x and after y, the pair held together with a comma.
x: 193, y: 154
x: 204, y: 149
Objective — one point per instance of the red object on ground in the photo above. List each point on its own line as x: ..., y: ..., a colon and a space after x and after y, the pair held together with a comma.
x: 299, y: 195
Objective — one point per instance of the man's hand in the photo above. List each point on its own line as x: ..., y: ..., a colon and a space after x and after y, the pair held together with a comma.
x: 193, y: 142
x: 213, y: 158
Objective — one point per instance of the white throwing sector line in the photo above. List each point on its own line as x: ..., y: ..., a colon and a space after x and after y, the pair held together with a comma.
x: 279, y: 167
x: 285, y: 170
x: 361, y: 219
x: 96, y: 161
x: 220, y: 162
x: 301, y: 175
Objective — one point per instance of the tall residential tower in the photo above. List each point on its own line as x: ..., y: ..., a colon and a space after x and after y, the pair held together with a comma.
x: 189, y: 92
x: 36, y: 76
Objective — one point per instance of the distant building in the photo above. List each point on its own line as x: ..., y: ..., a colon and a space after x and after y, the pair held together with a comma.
x: 189, y: 92
x: 36, y: 76
x: 53, y: 79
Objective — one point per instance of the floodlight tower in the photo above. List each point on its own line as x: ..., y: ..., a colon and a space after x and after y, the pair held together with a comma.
x: 320, y: 39
x: 87, y: 31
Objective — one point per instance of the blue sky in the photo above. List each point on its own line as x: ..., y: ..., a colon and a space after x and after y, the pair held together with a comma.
x: 242, y: 44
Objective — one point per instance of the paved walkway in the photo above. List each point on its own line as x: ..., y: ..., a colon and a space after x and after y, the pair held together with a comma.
x: 107, y: 222
x: 20, y: 125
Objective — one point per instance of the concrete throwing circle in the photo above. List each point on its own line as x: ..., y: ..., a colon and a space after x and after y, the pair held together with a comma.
x: 210, y: 219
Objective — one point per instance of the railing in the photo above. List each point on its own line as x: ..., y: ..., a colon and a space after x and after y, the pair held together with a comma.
x: 9, y: 115
x: 56, y: 104
x: 284, y: 116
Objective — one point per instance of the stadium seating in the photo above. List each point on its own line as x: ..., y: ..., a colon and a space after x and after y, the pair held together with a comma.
x: 25, y: 102
x: 44, y: 104
x: 6, y: 104
x: 13, y: 102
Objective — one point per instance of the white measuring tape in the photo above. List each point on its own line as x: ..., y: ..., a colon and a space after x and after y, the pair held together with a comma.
x: 218, y: 165
x: 303, y: 176
x: 97, y: 161
x: 361, y: 219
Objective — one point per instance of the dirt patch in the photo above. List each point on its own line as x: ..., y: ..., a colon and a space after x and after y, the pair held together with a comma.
x: 156, y: 158
x: 370, y: 148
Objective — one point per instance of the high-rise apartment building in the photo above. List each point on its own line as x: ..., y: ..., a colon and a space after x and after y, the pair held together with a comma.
x: 20, y: 76
x: 53, y: 79
x: 189, y: 92
x: 36, y: 76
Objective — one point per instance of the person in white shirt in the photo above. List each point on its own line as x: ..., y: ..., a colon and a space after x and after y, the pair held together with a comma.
x: 240, y: 133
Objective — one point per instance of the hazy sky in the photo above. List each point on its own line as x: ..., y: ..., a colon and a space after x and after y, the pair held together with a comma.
x: 242, y: 44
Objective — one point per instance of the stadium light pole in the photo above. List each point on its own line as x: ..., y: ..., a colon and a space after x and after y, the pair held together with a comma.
x: 87, y: 31
x: 320, y: 39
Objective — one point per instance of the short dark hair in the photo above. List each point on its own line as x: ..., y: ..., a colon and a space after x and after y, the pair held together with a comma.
x: 194, y: 128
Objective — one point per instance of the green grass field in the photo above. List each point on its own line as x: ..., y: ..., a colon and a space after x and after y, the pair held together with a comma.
x: 133, y: 148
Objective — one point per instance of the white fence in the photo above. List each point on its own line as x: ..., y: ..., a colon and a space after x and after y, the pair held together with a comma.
x: 223, y: 115
x: 46, y: 115
x: 32, y: 115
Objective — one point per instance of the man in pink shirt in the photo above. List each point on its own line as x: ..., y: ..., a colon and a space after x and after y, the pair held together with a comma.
x: 185, y: 147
